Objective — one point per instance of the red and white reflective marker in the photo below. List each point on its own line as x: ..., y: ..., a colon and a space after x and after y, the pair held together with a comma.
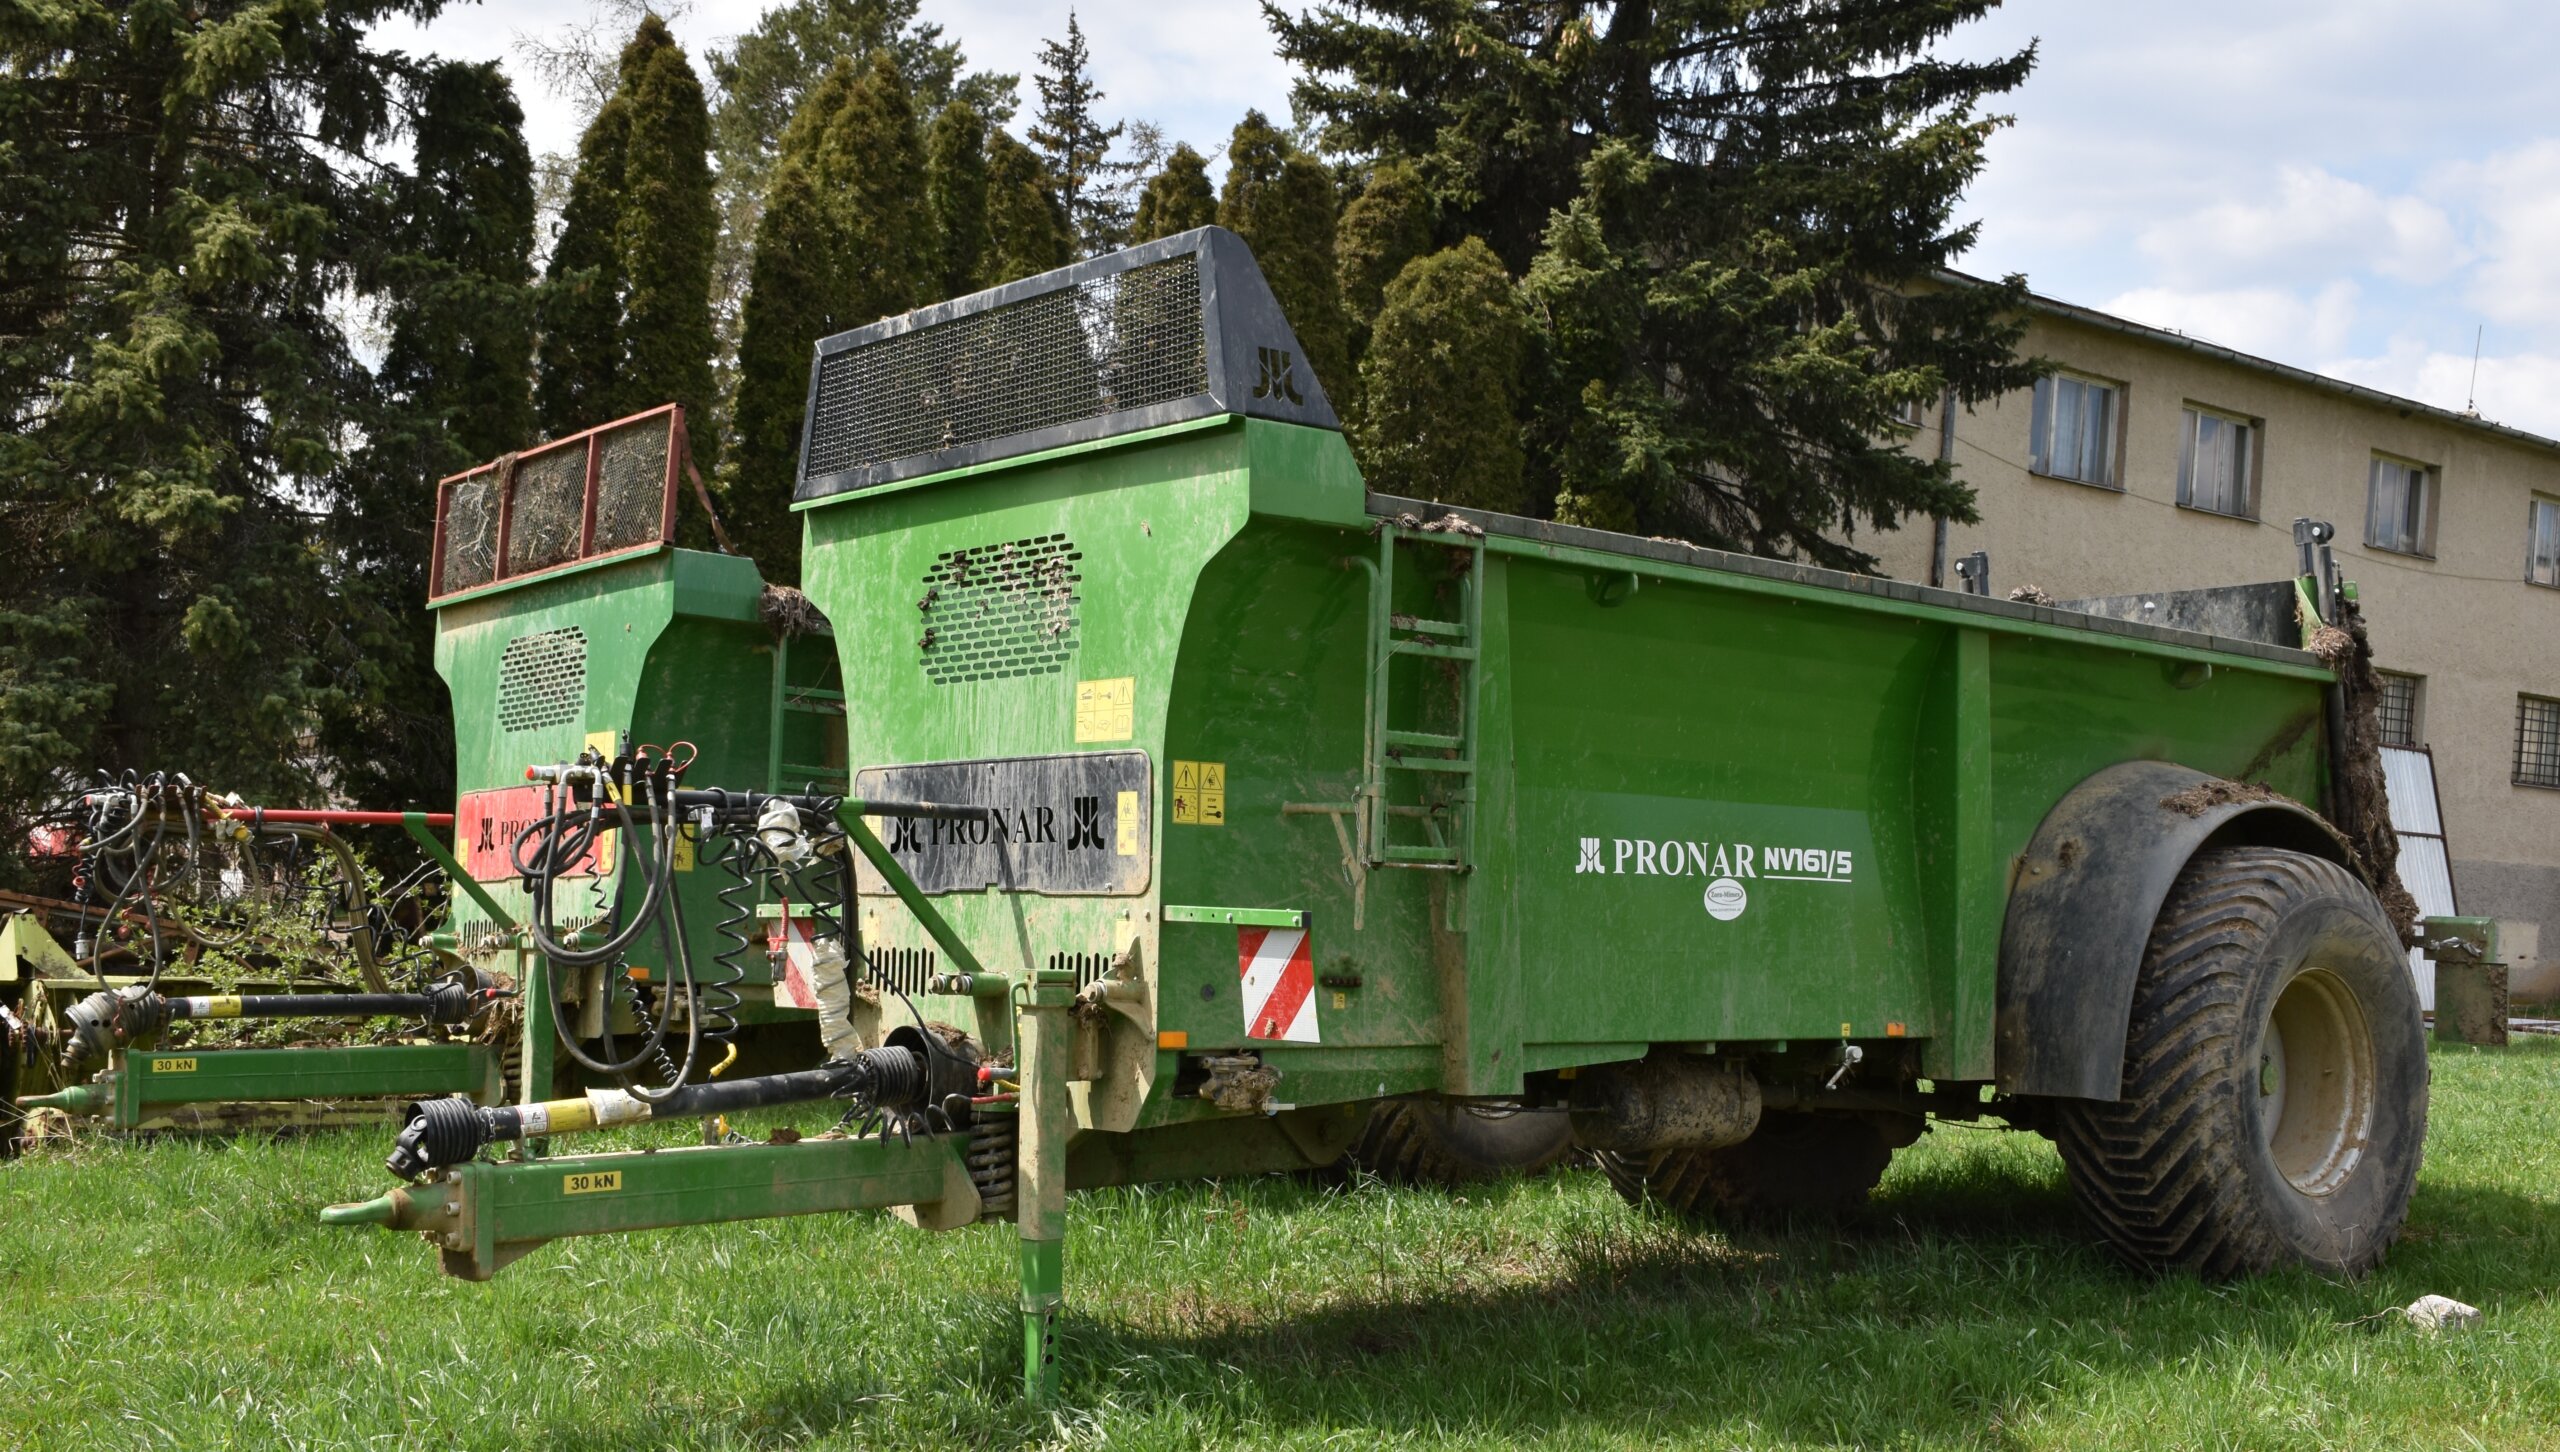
x: 790, y: 937
x: 1279, y: 971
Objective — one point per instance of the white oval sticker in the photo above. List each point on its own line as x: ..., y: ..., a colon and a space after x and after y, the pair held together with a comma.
x: 1726, y: 899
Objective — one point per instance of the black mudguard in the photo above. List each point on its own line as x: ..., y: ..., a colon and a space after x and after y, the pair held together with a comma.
x: 2084, y: 897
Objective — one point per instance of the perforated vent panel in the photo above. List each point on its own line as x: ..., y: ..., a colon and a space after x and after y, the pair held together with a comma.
x: 1089, y: 968
x: 542, y: 679
x: 907, y: 970
x: 1129, y: 340
x: 1000, y: 610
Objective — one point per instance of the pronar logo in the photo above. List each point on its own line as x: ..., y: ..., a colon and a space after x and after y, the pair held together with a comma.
x: 1277, y: 377
x: 1726, y: 866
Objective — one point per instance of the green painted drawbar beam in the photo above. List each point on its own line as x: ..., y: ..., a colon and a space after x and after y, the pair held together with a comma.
x: 144, y: 1082
x: 483, y: 1215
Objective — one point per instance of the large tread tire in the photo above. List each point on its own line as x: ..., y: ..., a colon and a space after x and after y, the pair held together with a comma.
x: 1433, y: 1142
x: 2242, y: 1143
x: 1795, y: 1166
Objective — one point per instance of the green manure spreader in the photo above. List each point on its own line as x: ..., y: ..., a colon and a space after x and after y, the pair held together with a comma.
x: 567, y: 619
x: 1201, y: 800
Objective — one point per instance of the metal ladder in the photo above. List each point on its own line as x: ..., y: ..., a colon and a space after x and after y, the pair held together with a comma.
x: 791, y: 776
x: 1445, y: 760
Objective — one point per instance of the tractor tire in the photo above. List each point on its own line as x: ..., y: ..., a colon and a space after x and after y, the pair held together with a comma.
x: 2275, y: 1079
x: 1794, y: 1166
x: 1433, y: 1142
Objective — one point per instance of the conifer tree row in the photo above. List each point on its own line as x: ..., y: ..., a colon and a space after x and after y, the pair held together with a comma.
x: 211, y: 537
x: 1727, y: 222
x: 626, y: 317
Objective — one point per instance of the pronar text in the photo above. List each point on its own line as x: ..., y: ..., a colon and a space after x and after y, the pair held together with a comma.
x: 1643, y: 857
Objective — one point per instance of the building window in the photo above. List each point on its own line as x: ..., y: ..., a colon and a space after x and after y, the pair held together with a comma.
x: 2400, y: 507
x: 2218, y: 463
x: 2537, y: 742
x: 2077, y: 421
x: 2399, y: 709
x: 1908, y: 413
x: 2542, y: 542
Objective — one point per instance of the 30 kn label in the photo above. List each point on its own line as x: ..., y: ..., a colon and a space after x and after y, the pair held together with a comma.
x: 173, y: 1066
x: 590, y: 1182
x: 1068, y: 825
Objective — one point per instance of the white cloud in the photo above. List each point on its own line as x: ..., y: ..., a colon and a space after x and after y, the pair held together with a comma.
x: 2520, y: 389
x: 2313, y: 222
x: 2515, y: 197
x: 2269, y: 321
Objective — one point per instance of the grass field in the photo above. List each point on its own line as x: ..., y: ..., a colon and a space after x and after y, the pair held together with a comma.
x: 181, y: 1295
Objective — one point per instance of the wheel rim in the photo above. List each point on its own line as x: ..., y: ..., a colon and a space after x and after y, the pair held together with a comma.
x: 2315, y: 1082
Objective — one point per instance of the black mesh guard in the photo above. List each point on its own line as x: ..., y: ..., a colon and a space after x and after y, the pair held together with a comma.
x: 1176, y: 329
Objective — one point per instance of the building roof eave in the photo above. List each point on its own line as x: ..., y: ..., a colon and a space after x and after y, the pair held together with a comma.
x: 2109, y: 322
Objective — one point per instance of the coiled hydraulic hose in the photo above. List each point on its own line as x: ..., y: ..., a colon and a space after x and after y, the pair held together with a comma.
x: 561, y: 838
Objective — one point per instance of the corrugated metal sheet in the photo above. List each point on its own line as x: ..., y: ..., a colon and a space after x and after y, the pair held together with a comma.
x: 2412, y: 777
x: 2428, y: 874
x: 2426, y: 864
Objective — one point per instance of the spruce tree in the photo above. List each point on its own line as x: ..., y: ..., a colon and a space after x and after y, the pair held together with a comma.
x: 1387, y: 226
x: 1441, y: 384
x: 1025, y: 233
x: 1176, y: 199
x: 455, y: 390
x: 871, y: 167
x: 1077, y: 146
x: 956, y: 177
x: 1727, y: 220
x: 846, y: 236
x: 578, y: 382
x: 189, y: 201
x: 790, y: 296
x: 667, y: 229
x: 762, y: 79
x: 1280, y: 201
x: 626, y: 311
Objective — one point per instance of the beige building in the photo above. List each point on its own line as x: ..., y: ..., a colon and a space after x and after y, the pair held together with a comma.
x: 2155, y: 461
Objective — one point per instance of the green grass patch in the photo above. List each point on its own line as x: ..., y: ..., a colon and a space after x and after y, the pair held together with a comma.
x: 181, y: 1294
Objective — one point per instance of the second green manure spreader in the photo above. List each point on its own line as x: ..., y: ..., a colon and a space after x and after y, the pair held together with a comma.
x: 1201, y: 800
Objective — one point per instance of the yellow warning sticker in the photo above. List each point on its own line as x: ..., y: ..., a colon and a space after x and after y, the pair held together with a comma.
x: 682, y: 853
x: 1200, y: 793
x: 1107, y: 710
x: 173, y: 1066
x: 590, y: 1182
x: 1125, y: 816
x: 1213, y: 794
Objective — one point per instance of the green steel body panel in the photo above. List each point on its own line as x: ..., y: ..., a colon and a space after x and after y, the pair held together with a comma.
x: 675, y: 649
x: 1862, y: 760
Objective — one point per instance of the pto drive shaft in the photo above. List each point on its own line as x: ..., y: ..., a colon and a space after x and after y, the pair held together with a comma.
x: 441, y: 1132
x: 111, y: 1017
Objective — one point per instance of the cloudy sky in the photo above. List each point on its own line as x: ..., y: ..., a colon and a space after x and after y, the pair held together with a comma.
x: 2352, y: 186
